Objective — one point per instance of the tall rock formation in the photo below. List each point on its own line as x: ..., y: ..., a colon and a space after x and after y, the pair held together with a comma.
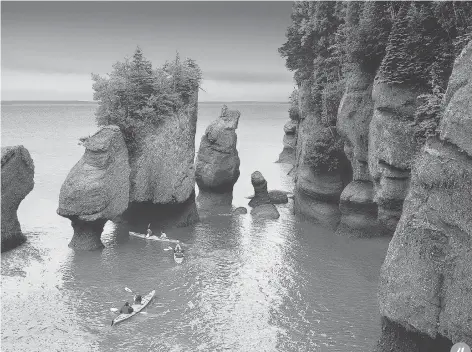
x: 162, y: 171
x: 217, y: 164
x: 425, y: 284
x: 97, y: 187
x: 17, y: 182
x: 288, y: 154
x: 317, y: 190
x: 359, y: 212
x: 261, y: 204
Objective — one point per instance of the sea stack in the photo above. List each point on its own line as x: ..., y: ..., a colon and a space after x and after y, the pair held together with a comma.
x: 288, y: 155
x: 358, y: 210
x: 17, y: 183
x: 425, y: 290
x: 97, y: 188
x: 261, y: 204
x: 162, y: 190
x: 217, y: 164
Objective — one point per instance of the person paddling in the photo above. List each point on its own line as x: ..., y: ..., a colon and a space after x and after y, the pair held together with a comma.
x: 163, y: 235
x: 149, y: 231
x: 126, y: 309
x: 138, y: 299
x: 178, y: 249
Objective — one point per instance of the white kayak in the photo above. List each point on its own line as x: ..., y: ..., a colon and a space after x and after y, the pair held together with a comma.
x: 178, y: 257
x: 136, y: 308
x: 153, y: 237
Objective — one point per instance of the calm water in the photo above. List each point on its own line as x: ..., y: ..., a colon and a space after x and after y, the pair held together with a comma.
x: 284, y: 285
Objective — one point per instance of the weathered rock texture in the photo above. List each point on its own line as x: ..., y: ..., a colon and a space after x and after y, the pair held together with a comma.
x: 17, y: 182
x: 265, y: 211
x: 288, y: 155
x: 162, y: 168
x: 217, y: 164
x: 425, y: 283
x: 358, y: 210
x: 316, y: 194
x: 261, y: 196
x: 97, y: 187
x: 276, y: 196
x: 391, y: 147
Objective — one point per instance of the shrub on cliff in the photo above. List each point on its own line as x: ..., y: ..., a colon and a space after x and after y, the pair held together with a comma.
x: 134, y: 94
x: 324, y: 151
x: 294, y: 111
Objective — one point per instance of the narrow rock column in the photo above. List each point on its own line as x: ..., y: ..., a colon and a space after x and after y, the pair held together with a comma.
x: 17, y: 183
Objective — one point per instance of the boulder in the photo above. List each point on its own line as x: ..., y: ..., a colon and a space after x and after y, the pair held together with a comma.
x: 425, y: 281
x: 217, y: 164
x: 97, y: 187
x: 261, y: 196
x: 290, y: 143
x: 162, y: 168
x: 240, y: 211
x: 17, y: 183
x: 276, y: 196
x: 265, y: 211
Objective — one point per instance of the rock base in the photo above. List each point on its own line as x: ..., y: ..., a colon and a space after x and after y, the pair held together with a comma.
x: 287, y: 156
x: 265, y: 211
x: 207, y: 200
x: 322, y: 212
x: 161, y: 216
x: 395, y: 338
x: 87, y: 234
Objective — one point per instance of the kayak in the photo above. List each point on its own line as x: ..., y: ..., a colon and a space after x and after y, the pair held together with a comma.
x: 153, y: 238
x: 136, y: 308
x: 178, y: 257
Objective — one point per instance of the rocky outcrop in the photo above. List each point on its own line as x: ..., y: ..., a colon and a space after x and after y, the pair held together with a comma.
x: 358, y: 210
x: 425, y: 282
x: 391, y: 147
x: 162, y: 170
x: 217, y: 162
x: 97, y: 187
x: 288, y: 155
x: 317, y: 191
x: 265, y: 211
x: 17, y: 183
x: 240, y: 211
x: 261, y: 196
x: 276, y: 196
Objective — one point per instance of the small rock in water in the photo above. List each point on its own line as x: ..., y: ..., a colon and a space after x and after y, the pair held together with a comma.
x: 240, y: 210
x: 191, y: 305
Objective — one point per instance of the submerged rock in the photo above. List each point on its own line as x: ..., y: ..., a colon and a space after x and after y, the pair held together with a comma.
x: 97, y: 187
x: 265, y: 211
x: 17, y: 183
x: 261, y: 196
x: 358, y: 210
x: 425, y: 281
x: 240, y: 210
x: 276, y: 196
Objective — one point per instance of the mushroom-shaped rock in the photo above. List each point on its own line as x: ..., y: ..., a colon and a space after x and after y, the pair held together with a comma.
x: 17, y: 182
x: 261, y: 196
x: 97, y: 187
x: 217, y: 164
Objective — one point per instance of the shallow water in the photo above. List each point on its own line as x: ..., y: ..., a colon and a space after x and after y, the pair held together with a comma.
x: 284, y: 285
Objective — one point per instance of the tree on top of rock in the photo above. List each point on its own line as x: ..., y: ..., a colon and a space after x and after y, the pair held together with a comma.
x: 135, y: 95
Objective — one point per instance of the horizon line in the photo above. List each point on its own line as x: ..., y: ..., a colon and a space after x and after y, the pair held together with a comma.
x: 96, y: 102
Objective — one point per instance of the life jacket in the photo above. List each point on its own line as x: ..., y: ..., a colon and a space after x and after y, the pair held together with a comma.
x: 126, y: 310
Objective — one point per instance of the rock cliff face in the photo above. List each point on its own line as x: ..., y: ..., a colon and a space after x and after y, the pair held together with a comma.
x: 162, y: 170
x: 317, y: 193
x: 358, y: 210
x: 392, y: 147
x: 97, y: 187
x: 17, y: 182
x: 425, y: 284
x: 217, y: 164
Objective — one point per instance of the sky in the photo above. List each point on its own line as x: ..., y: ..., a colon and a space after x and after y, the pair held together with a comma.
x: 50, y: 49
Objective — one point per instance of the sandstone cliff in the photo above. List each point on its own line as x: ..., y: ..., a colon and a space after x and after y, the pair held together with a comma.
x: 97, y: 187
x: 359, y: 212
x: 17, y: 182
x: 425, y: 285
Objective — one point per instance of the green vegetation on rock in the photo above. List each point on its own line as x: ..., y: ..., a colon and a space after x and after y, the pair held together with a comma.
x: 134, y: 94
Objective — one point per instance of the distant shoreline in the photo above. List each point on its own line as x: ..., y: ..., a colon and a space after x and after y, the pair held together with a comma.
x: 85, y: 102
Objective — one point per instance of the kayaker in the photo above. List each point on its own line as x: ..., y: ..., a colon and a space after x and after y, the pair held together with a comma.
x: 149, y: 231
x: 178, y: 249
x: 137, y: 299
x: 163, y: 235
x: 126, y: 309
